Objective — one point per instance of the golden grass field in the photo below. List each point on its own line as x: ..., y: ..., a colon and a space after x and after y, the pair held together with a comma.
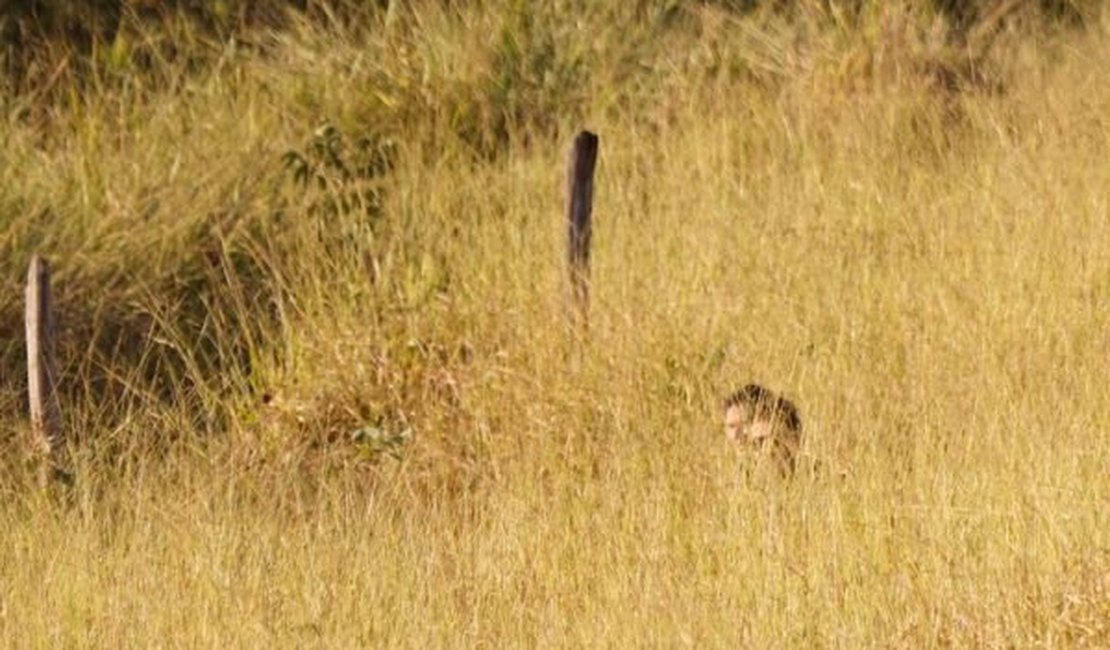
x: 321, y: 391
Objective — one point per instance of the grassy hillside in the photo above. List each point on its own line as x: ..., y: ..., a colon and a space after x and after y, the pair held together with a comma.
x: 321, y: 391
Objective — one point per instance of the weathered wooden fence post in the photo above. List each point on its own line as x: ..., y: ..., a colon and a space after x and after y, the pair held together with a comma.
x: 42, y: 371
x: 580, y: 197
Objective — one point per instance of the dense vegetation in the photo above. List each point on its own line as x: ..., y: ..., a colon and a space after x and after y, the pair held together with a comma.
x: 318, y: 382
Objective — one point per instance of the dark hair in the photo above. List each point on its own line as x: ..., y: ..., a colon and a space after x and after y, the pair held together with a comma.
x: 766, y: 403
x: 750, y: 394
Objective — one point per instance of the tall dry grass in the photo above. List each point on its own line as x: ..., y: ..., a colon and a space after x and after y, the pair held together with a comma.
x: 321, y: 392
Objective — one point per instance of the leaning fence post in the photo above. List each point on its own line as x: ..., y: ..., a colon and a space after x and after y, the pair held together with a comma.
x: 42, y: 370
x: 580, y: 195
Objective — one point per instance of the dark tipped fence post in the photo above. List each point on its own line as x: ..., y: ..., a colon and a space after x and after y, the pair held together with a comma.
x: 580, y: 196
x: 42, y: 371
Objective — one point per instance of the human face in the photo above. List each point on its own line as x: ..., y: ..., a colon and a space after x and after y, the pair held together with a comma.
x: 740, y: 428
x: 735, y: 420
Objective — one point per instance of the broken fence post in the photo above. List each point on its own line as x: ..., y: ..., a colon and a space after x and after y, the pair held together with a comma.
x: 42, y: 370
x: 580, y: 194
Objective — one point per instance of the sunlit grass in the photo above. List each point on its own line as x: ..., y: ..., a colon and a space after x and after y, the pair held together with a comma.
x: 924, y: 273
